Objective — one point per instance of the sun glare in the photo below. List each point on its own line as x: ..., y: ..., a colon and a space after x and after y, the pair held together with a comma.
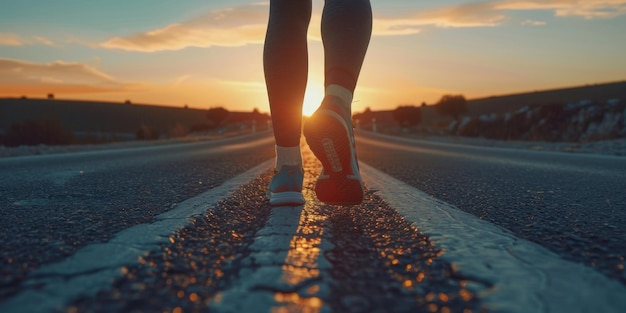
x: 312, y: 99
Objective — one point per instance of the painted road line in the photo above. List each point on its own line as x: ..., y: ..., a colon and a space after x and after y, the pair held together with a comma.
x: 525, y: 276
x: 96, y: 266
x: 286, y: 267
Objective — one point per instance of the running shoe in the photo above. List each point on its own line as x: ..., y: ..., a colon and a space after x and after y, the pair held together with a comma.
x: 285, y: 189
x: 329, y: 134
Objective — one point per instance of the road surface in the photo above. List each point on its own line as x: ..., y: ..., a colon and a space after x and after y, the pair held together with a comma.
x: 186, y: 228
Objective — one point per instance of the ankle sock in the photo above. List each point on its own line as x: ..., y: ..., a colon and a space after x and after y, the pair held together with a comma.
x: 288, y: 156
x: 342, y: 93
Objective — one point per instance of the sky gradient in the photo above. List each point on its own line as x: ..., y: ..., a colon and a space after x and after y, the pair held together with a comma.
x: 209, y: 53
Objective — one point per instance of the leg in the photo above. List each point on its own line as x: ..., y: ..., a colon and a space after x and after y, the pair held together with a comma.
x: 346, y: 30
x: 285, y: 61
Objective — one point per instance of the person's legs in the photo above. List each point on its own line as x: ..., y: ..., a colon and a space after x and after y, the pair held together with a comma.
x: 285, y: 62
x: 346, y: 30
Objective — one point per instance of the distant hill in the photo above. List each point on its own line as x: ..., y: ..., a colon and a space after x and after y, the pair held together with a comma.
x: 90, y: 117
x: 107, y: 117
x: 508, y: 103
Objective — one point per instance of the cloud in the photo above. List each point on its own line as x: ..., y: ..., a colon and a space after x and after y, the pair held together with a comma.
x: 18, y: 76
x: 246, y: 86
x: 494, y: 13
x: 246, y: 24
x: 588, y: 9
x: 466, y: 15
x: 533, y: 23
x: 43, y: 40
x: 226, y: 27
x: 8, y: 39
x: 11, y: 39
x: 181, y: 79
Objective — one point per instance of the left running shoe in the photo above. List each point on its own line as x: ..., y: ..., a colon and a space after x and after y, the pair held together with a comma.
x: 285, y: 189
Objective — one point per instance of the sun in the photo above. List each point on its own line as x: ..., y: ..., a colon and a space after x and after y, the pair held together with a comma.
x: 312, y: 98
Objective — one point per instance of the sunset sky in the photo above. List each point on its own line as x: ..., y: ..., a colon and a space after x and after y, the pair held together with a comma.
x: 209, y: 53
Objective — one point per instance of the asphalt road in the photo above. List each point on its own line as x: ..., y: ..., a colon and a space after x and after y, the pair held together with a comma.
x: 572, y: 204
x: 54, y: 205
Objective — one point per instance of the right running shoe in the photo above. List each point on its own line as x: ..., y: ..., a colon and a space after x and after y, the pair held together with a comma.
x: 329, y: 134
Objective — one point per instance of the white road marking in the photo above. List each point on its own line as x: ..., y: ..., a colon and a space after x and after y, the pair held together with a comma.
x: 95, y: 266
x: 286, y: 264
x: 526, y: 277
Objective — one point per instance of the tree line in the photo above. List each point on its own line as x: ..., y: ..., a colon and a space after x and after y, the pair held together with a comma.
x: 411, y: 115
x: 50, y: 131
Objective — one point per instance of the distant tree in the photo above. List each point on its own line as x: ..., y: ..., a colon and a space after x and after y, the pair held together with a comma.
x: 453, y: 105
x: 365, y: 116
x: 424, y: 104
x: 258, y: 116
x: 408, y: 115
x: 217, y: 115
x: 127, y: 102
x: 50, y: 96
x: 24, y: 97
x: 186, y: 107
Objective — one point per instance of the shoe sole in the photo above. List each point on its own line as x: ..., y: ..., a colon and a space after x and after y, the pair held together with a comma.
x: 328, y: 137
x: 288, y: 198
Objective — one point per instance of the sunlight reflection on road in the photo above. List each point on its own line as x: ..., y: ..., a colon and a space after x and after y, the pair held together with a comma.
x: 301, y: 269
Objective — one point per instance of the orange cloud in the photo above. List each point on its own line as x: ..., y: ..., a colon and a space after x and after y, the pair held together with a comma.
x: 227, y: 27
x: 533, y: 23
x: 10, y: 39
x: 493, y: 13
x: 588, y: 9
x: 20, y: 77
x: 464, y: 15
x: 246, y: 24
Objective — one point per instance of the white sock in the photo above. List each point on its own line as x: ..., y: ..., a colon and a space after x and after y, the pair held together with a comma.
x: 342, y: 93
x: 288, y: 156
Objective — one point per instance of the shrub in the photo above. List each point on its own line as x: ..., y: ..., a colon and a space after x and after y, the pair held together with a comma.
x: 453, y: 105
x: 177, y: 130
x: 407, y: 115
x: 36, y: 132
x: 147, y: 133
x: 217, y: 115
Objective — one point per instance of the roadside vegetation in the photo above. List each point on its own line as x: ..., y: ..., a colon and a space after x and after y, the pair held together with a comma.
x: 581, y: 121
x: 31, y: 122
x: 35, y: 132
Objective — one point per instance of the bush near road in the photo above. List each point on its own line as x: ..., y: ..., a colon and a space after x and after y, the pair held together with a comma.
x: 574, y: 122
x: 35, y: 132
